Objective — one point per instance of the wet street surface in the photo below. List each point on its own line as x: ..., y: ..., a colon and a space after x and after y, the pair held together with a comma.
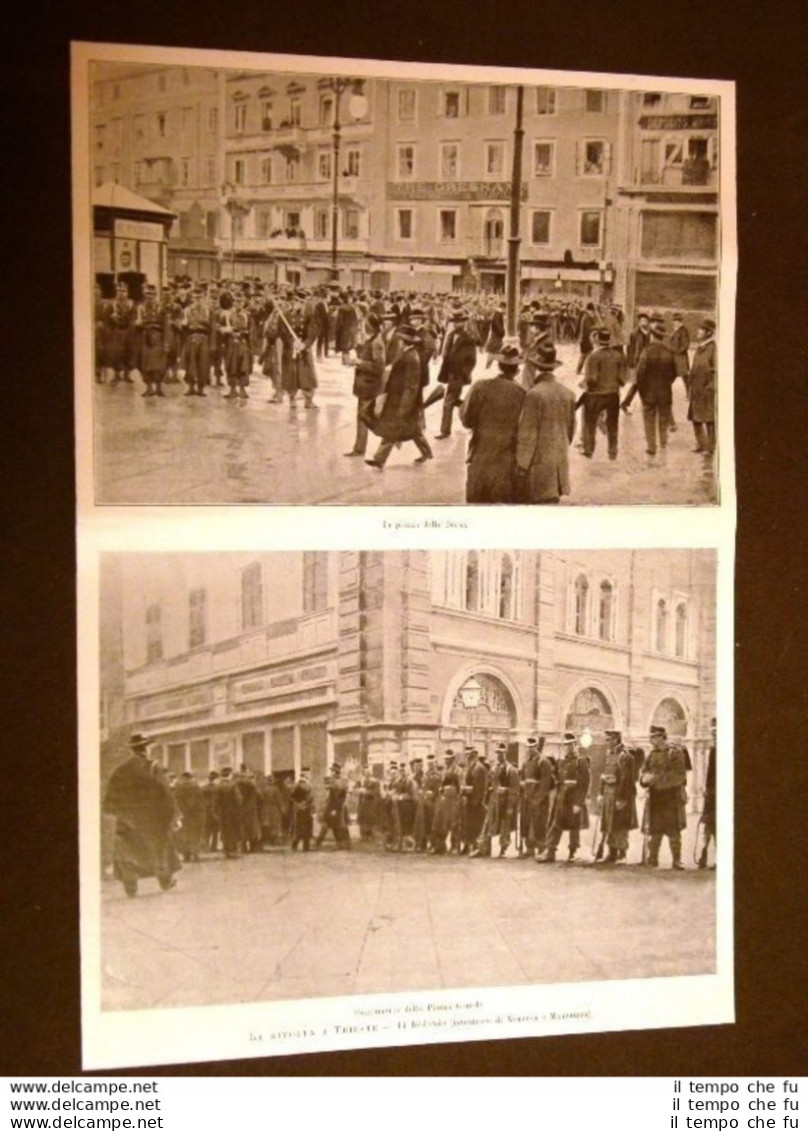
x: 180, y: 450
x: 280, y: 925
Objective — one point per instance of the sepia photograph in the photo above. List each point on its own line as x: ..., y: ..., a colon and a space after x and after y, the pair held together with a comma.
x: 325, y: 774
x: 391, y: 289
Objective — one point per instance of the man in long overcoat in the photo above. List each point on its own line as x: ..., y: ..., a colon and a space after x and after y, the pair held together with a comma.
x: 227, y: 807
x: 347, y: 326
x: 492, y: 410
x: 302, y: 813
x: 664, y: 775
x: 192, y: 810
x: 444, y: 819
x: 368, y: 376
x: 144, y: 809
x: 702, y: 388
x: 570, y: 813
x: 457, y: 366
x: 604, y: 377
x: 402, y: 415
x: 618, y: 792
x: 656, y: 372
x: 708, y: 810
x: 505, y: 785
x: 473, y: 792
x: 546, y: 430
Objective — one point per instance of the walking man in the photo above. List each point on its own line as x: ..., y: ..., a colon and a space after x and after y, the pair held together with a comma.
x: 656, y: 372
x: 604, y: 376
x: 546, y: 430
x: 491, y: 411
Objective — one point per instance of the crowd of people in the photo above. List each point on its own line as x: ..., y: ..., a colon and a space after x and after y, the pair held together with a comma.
x: 522, y: 421
x: 440, y: 806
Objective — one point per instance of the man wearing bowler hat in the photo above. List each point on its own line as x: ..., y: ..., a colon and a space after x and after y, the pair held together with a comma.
x: 546, y: 430
x: 459, y: 359
x: 492, y: 410
x: 656, y: 372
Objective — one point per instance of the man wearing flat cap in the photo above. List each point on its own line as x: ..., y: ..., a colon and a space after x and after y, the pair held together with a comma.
x: 618, y: 791
x: 664, y: 775
x: 144, y: 809
x: 491, y: 411
x: 569, y: 812
x: 702, y: 384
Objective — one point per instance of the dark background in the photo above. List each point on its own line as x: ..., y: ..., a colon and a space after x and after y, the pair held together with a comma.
x: 762, y: 48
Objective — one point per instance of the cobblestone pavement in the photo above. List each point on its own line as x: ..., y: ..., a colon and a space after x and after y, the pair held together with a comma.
x: 190, y: 450
x: 281, y: 925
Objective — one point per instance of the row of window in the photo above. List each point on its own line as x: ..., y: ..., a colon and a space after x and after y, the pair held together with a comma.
x: 592, y: 612
x: 273, y: 169
x: 540, y: 229
x: 478, y: 581
x: 454, y: 101
x: 160, y: 124
x: 593, y: 158
x: 252, y: 604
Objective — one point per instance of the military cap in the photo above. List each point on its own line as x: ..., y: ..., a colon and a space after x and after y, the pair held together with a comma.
x: 569, y: 736
x: 408, y: 333
x: 449, y: 754
x: 677, y: 317
x: 213, y: 775
x: 336, y: 768
x: 470, y: 750
x: 658, y: 731
x: 502, y: 748
x: 712, y: 722
x: 186, y: 774
x: 430, y: 757
x: 532, y: 742
x: 138, y: 741
x: 613, y: 733
x: 708, y: 324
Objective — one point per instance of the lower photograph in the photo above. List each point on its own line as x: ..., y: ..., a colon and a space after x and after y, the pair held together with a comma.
x: 386, y: 781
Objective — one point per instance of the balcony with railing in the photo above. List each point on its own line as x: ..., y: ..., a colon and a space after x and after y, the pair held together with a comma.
x: 689, y: 175
x: 295, y: 245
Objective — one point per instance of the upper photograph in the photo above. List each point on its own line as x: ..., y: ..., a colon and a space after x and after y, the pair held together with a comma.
x: 398, y: 290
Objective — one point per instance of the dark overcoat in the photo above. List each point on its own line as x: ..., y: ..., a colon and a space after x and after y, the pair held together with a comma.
x: 193, y: 810
x: 573, y: 785
x: 347, y: 327
x: 546, y: 430
x: 370, y: 370
x: 619, y: 792
x: 702, y: 384
x: 402, y: 416
x: 664, y: 775
x: 144, y: 810
x: 459, y: 359
x: 297, y: 368
x: 656, y: 372
x: 492, y: 410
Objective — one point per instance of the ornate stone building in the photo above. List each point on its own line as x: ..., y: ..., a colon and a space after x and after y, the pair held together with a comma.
x: 283, y: 660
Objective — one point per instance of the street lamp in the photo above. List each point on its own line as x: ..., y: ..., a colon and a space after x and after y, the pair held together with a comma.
x: 470, y: 696
x: 234, y: 207
x: 514, y: 239
x: 357, y: 108
x: 586, y: 738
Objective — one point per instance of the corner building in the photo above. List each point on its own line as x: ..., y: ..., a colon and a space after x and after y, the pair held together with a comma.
x: 283, y: 660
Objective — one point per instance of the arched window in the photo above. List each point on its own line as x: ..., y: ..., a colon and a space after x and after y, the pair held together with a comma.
x: 681, y: 629
x: 606, y: 610
x: 581, y: 604
x: 506, y: 588
x: 472, y: 582
x: 661, y: 624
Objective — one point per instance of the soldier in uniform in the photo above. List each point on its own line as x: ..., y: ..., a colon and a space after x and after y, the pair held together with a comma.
x: 473, y: 791
x: 708, y: 811
x: 425, y: 813
x: 444, y: 820
x: 664, y: 775
x: 121, y: 315
x: 298, y: 333
x: 250, y: 837
x: 368, y: 809
x: 538, y: 782
x: 198, y: 329
x: 152, y: 318
x: 618, y: 791
x: 238, y: 358
x: 569, y: 808
x: 404, y: 800
x: 302, y: 814
x: 505, y: 784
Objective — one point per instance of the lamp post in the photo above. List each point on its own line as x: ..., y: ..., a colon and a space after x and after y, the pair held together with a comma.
x: 586, y: 738
x: 470, y: 695
x: 357, y: 108
x: 514, y: 239
x: 234, y: 207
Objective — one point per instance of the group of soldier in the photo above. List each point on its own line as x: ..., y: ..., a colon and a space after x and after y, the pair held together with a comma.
x: 521, y: 420
x: 437, y: 807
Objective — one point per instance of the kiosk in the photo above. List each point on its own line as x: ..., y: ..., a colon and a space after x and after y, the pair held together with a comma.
x: 130, y: 240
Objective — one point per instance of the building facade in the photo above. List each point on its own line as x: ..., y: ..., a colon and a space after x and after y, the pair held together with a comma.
x: 619, y: 189
x: 291, y: 660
